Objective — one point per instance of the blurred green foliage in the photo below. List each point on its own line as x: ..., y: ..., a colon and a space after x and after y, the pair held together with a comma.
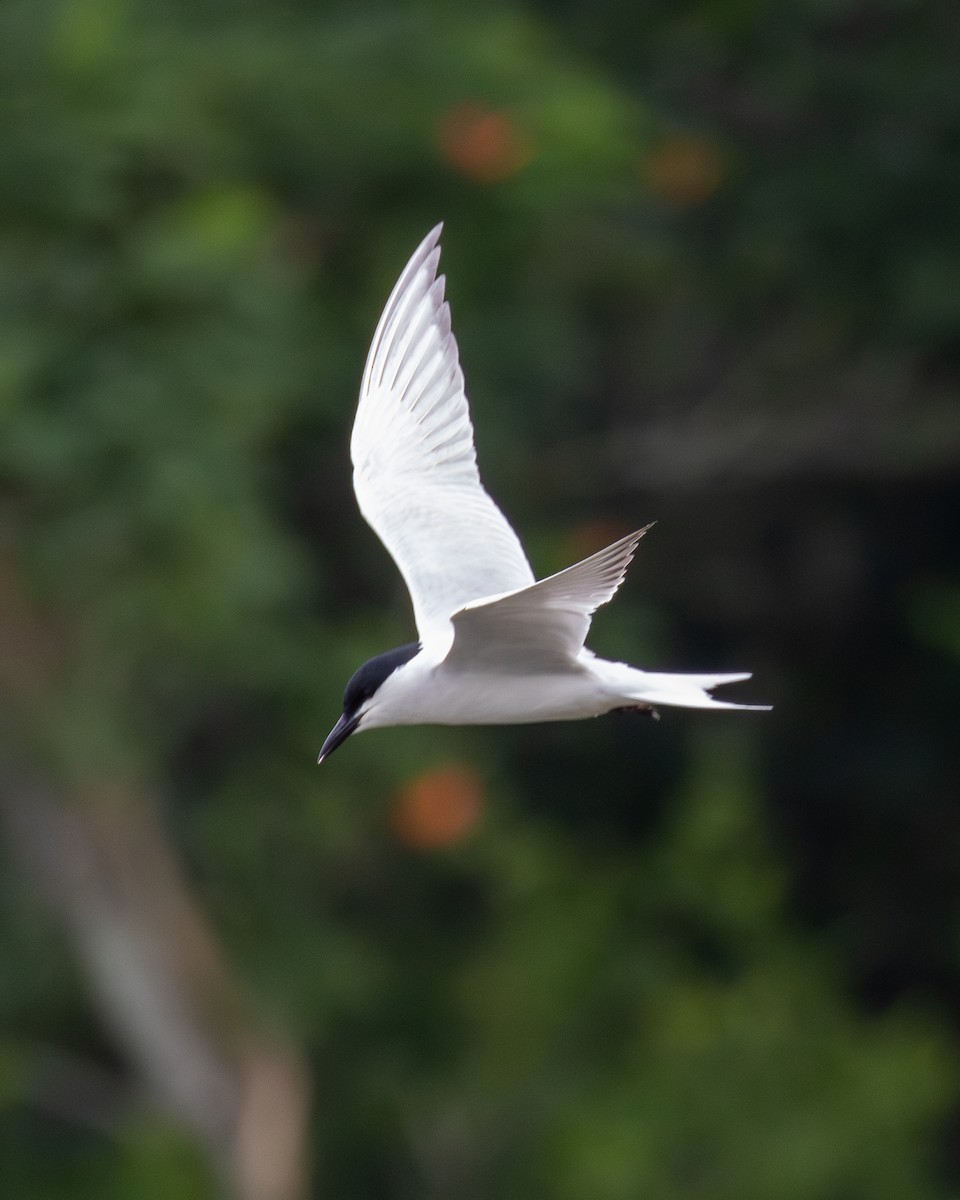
x: 703, y: 265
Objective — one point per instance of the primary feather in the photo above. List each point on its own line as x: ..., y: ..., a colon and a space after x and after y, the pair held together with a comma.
x: 415, y: 465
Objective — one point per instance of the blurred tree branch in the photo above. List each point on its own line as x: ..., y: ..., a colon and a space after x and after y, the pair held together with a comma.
x: 872, y: 420
x: 156, y: 973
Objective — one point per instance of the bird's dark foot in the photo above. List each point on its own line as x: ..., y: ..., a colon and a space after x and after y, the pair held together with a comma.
x: 645, y: 710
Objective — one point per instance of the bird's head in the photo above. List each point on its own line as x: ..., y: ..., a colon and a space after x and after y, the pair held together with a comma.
x: 363, y: 697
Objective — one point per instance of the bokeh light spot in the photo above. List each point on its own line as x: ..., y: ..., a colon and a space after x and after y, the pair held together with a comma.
x: 684, y: 171
x: 483, y: 144
x: 437, y: 807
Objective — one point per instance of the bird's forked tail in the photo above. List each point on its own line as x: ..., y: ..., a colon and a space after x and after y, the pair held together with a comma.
x: 685, y: 691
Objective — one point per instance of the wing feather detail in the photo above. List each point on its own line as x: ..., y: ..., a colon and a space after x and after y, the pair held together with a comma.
x: 415, y: 465
x: 542, y: 627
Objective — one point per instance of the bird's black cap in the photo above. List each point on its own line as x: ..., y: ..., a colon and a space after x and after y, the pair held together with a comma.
x: 364, y: 683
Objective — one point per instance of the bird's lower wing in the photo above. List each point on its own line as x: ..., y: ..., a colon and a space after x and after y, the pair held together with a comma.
x: 450, y: 543
x: 540, y: 628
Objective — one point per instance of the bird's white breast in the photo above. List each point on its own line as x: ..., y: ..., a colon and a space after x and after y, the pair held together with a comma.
x: 424, y: 693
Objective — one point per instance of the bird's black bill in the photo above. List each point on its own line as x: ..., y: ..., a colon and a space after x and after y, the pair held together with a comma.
x: 338, y: 735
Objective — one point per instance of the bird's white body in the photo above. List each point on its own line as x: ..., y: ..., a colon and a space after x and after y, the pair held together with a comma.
x: 496, y: 647
x: 427, y: 692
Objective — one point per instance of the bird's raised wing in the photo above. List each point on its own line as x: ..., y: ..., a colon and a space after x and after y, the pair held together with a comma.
x: 415, y: 466
x: 540, y: 628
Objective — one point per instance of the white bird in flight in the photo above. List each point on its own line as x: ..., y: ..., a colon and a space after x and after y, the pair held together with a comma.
x: 495, y: 646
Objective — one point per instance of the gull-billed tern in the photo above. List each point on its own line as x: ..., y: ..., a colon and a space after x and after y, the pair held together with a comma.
x: 495, y: 646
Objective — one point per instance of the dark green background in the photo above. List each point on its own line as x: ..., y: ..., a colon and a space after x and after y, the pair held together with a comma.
x: 704, y: 262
